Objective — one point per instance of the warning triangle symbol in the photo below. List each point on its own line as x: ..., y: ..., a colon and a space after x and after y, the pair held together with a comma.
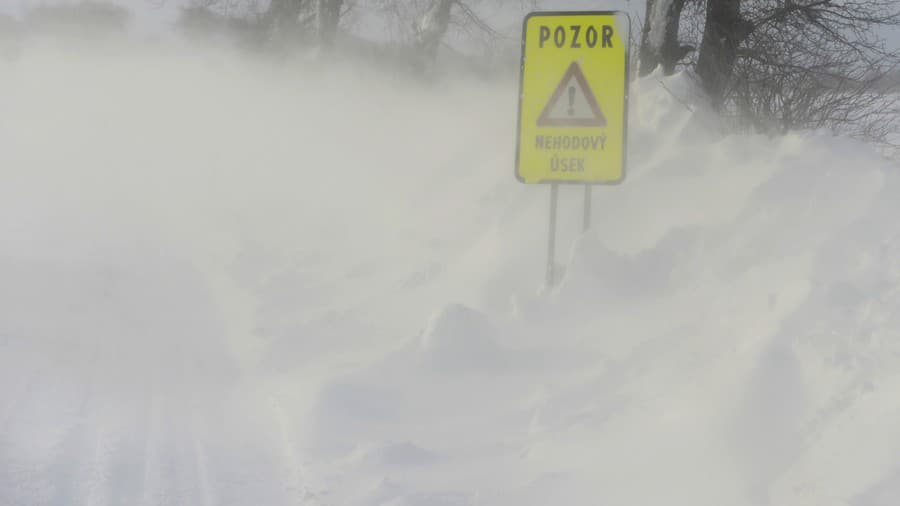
x: 573, y: 103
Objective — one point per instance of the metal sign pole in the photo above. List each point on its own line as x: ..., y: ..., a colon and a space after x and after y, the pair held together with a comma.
x: 577, y: 132
x: 587, y: 207
x: 551, y: 238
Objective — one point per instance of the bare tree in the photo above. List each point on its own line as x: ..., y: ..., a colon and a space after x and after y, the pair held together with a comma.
x: 328, y: 13
x: 818, y: 63
x: 201, y: 21
x: 430, y: 29
x: 426, y: 26
x: 778, y: 65
x: 723, y: 33
x: 299, y: 21
x: 10, y: 31
x: 416, y: 31
x: 9, y: 27
x: 85, y: 19
x: 282, y: 23
x: 659, y: 37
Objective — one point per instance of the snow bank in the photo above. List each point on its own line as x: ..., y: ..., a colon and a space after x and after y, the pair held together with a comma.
x: 216, y: 279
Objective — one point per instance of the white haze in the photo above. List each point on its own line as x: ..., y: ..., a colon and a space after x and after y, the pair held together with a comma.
x: 233, y: 282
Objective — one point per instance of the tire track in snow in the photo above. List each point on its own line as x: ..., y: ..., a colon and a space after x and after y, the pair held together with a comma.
x: 128, y: 462
x: 186, y: 473
x: 29, y: 447
x: 18, y: 401
x: 151, y: 482
x: 69, y: 468
x: 98, y: 484
x: 291, y: 468
x: 72, y: 468
x: 201, y: 463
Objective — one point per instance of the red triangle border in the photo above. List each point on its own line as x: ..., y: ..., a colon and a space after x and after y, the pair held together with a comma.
x: 599, y: 119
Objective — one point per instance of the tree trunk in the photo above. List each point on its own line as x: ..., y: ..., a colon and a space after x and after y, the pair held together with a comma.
x: 724, y: 31
x: 659, y: 37
x: 328, y: 13
x: 431, y: 28
x: 280, y: 19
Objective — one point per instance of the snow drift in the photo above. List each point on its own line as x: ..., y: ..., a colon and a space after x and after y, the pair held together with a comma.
x: 225, y: 282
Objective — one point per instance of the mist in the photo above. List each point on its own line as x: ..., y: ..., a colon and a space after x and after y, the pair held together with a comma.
x: 229, y: 279
x: 152, y: 192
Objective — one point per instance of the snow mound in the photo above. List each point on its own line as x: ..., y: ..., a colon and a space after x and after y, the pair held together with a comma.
x: 218, y: 296
x: 394, y: 456
x: 458, y: 338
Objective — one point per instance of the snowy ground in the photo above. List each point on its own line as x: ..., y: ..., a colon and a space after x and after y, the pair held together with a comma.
x: 227, y: 284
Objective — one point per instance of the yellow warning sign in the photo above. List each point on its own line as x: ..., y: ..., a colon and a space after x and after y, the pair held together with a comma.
x: 573, y: 98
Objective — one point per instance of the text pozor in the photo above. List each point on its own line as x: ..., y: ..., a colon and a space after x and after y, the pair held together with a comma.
x: 576, y: 36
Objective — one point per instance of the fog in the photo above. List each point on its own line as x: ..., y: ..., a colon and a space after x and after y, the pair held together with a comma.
x: 231, y: 279
x: 179, y: 222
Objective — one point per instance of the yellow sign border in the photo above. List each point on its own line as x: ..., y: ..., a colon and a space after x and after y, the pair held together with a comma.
x: 625, y: 98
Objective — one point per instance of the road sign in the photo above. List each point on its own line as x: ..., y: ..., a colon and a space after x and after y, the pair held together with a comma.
x: 573, y: 98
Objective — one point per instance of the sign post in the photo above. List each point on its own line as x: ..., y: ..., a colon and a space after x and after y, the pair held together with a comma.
x: 586, y: 223
x: 551, y: 237
x: 573, y: 105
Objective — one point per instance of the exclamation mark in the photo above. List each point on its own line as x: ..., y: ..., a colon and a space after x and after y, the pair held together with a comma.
x: 571, y: 100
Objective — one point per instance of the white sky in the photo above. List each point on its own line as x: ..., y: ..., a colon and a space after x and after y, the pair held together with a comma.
x: 157, y: 15
x: 149, y: 15
x: 160, y: 12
